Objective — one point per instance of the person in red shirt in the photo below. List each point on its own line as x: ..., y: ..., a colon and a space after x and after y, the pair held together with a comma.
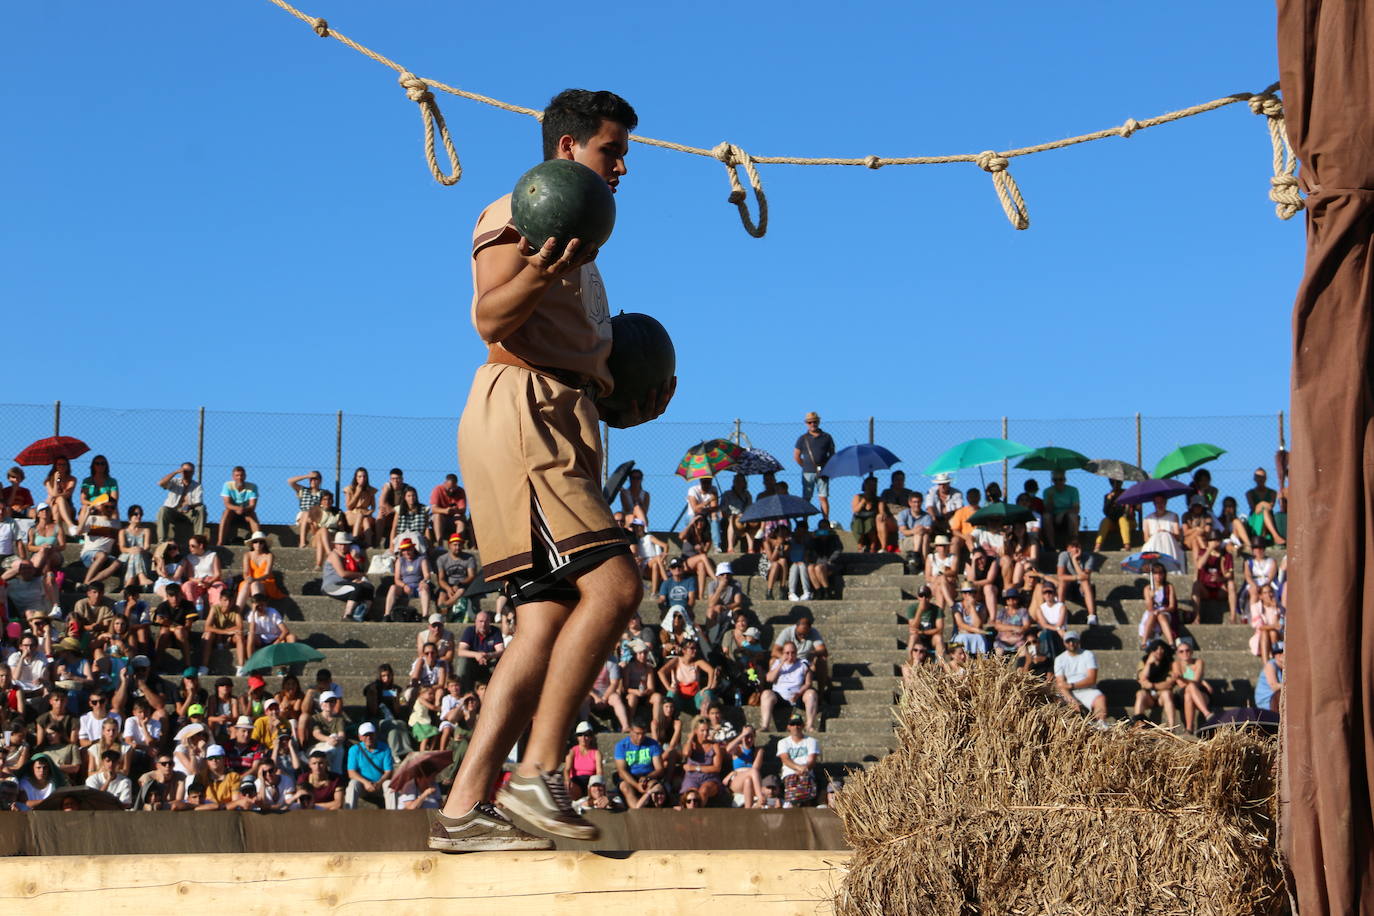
x: 448, y: 506
x: 17, y: 497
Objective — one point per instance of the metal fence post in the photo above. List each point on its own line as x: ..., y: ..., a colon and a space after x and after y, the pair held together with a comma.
x: 57, y: 418
x: 200, y: 443
x: 1140, y: 462
x: 738, y: 440
x: 1006, y: 484
x: 870, y: 430
x: 1282, y: 446
x: 338, y: 455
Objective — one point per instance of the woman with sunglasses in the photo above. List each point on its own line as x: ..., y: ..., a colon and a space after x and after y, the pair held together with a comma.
x: 60, y: 485
x: 99, y: 489
x: 1196, y: 693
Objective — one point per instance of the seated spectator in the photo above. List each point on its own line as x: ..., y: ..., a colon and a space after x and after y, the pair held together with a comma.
x: 319, y: 788
x: 369, y: 769
x: 605, y: 697
x: 634, y: 499
x: 107, y: 739
x: 970, y: 621
x: 1075, y: 677
x: 640, y: 680
x: 240, y: 500
x: 14, y: 756
x: 582, y: 762
x: 16, y: 497
x: 942, y: 572
x: 703, y: 501
x: 427, y: 671
x: 773, y: 563
x: 258, y: 576
x: 1161, y: 616
x: 655, y: 796
x: 917, y: 657
x: 1062, y: 512
x: 94, y: 613
x: 457, y: 570
x: 162, y: 789
x: 865, y: 507
x: 1260, y: 570
x: 30, y: 593
x: 188, y: 755
x: 457, y: 716
x: 677, y: 591
x: 266, y: 626
x: 294, y: 701
x: 223, y: 624
x: 343, y: 578
x: 772, y: 792
x: 98, y: 551
x: 961, y: 529
x: 826, y: 561
x: 382, y: 695
x: 704, y: 762
x: 1265, y: 520
x: 110, y: 779
x: 328, y: 727
x: 98, y: 490
x: 221, y: 790
x: 173, y: 619
x: 913, y: 530
x: 1195, y: 693
x: 597, y: 798
x: 242, y: 754
x: 40, y: 782
x: 205, y: 585
x: 29, y: 670
x: 360, y: 499
x: 727, y: 596
x: 46, y: 541
x: 1269, y: 684
x: 185, y: 502
x: 799, y: 557
x: 739, y: 534
x: 1073, y: 571
x: 1155, y: 680
x: 448, y: 506
x: 329, y: 523
x: 1267, y: 618
x: 1235, y: 533
x: 639, y: 764
x: 894, y: 501
x: 133, y: 550
x: 423, y: 729
x: 984, y: 573
x: 744, y: 778
x: 789, y: 680
x: 799, y: 754
x: 410, y: 576
x: 170, y: 567
x: 1012, y: 626
x: 652, y: 558
x: 446, y: 644
x: 810, y: 645
x: 942, y: 502
x: 696, y: 552
x: 410, y: 520
x: 389, y: 497
x: 1198, y: 524
x: 666, y: 729
x: 690, y: 681
x: 142, y: 734
x: 1052, y: 619
x: 479, y: 649
x: 1216, y: 577
x: 1162, y: 531
x: 308, y: 498
x: 55, y: 736
x: 59, y: 486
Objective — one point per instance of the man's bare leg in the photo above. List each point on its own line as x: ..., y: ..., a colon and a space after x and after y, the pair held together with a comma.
x: 510, y: 700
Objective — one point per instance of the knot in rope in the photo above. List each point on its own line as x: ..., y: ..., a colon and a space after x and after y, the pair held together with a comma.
x: 320, y: 26
x: 1283, y: 192
x: 1130, y: 127
x: 1267, y: 104
x: 873, y: 162
x: 733, y: 157
x: 417, y: 90
x: 989, y: 161
x: 1013, y: 205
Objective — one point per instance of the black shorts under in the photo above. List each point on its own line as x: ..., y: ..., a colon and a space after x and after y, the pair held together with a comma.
x: 542, y: 582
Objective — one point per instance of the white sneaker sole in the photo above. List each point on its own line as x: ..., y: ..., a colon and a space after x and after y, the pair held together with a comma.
x: 492, y: 843
x: 539, y: 819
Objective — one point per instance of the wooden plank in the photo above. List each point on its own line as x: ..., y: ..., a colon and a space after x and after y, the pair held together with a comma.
x: 766, y: 882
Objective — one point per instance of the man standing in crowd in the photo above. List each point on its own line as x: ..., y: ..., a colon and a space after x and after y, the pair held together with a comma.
x: 813, y: 449
x: 185, y: 502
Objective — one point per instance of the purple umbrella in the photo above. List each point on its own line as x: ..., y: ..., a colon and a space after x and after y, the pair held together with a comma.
x: 1147, y: 490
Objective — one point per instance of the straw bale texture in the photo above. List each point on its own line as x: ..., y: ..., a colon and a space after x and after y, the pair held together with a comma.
x: 999, y: 800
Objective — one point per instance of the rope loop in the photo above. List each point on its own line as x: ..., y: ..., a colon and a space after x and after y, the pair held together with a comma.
x: 1130, y: 127
x: 733, y: 157
x: 1013, y: 204
x: 320, y: 26
x: 1283, y: 187
x: 417, y: 90
x: 1283, y: 191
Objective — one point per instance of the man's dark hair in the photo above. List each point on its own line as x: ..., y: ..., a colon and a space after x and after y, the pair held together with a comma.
x: 384, y: 666
x: 324, y: 674
x: 397, y: 471
x: 579, y: 113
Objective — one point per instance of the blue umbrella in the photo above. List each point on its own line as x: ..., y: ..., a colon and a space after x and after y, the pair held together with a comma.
x: 859, y: 461
x: 1147, y: 490
x: 1141, y: 562
x: 780, y: 505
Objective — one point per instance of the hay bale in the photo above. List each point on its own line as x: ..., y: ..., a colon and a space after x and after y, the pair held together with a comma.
x: 1000, y: 801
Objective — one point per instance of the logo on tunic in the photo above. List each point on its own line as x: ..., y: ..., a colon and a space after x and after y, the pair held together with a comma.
x: 594, y: 295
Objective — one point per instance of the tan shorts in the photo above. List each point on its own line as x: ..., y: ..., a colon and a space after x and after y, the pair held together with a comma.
x: 530, y: 454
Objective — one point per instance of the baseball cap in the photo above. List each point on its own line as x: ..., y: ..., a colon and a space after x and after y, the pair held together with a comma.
x: 724, y: 567
x: 140, y: 661
x: 367, y: 728
x: 752, y: 632
x: 319, y: 750
x: 675, y: 563
x: 328, y: 695
x: 436, y: 618
x: 271, y: 701
x: 190, y: 671
x: 214, y: 750
x: 584, y: 728
x: 195, y: 709
x: 1072, y: 635
x: 596, y: 781
x: 796, y: 719
x: 243, y: 722
x: 454, y: 537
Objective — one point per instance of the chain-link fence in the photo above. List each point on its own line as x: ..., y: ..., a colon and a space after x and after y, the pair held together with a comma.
x: 146, y: 443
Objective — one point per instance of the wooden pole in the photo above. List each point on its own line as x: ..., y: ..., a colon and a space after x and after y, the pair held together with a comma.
x: 338, y: 456
x: 200, y: 444
x: 57, y: 418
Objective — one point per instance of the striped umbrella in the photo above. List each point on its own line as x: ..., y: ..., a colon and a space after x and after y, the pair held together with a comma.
x: 709, y: 458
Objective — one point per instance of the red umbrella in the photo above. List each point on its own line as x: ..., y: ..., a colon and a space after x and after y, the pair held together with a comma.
x: 46, y: 451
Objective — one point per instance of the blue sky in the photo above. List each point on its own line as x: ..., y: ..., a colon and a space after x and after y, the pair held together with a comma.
x: 220, y: 206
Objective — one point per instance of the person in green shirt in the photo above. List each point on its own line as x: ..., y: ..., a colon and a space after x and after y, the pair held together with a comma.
x: 1061, y: 511
x: 926, y: 623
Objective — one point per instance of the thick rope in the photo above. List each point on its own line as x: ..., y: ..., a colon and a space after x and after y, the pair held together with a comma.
x: 1283, y: 186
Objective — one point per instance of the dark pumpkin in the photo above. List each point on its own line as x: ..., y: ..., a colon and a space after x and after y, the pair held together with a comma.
x: 642, y: 360
x: 563, y: 200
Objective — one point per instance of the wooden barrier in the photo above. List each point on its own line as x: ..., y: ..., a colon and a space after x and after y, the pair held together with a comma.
x: 760, y: 882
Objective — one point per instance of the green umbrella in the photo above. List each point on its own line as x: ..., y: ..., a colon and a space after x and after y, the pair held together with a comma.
x: 281, y: 654
x: 1185, y: 458
x: 974, y: 452
x: 1053, y: 458
x: 1001, y: 514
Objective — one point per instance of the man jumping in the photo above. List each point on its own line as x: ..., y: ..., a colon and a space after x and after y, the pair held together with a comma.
x: 530, y: 452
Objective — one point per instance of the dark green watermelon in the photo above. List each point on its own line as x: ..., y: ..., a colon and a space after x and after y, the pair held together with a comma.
x: 563, y: 200
x: 642, y: 360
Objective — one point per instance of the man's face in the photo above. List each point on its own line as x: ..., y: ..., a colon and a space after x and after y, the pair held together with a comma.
x: 1260, y: 478
x: 636, y: 735
x: 238, y: 476
x: 332, y: 706
x: 1072, y: 645
x: 914, y: 502
x: 455, y: 548
x: 241, y: 734
x: 187, y: 470
x: 483, y: 621
x: 604, y: 152
x: 397, y: 480
x: 677, y: 572
x: 216, y: 765
x: 317, y: 764
x: 708, y: 485
x: 369, y: 739
x: 804, y: 626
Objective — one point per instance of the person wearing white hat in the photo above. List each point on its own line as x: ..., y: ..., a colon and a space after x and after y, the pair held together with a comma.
x: 1075, y: 678
x: 726, y: 598
x: 942, y: 571
x: 344, y: 578
x: 369, y: 769
x: 942, y: 501
x: 812, y: 450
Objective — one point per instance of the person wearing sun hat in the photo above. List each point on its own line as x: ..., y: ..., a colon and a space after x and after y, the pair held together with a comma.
x: 812, y: 450
x: 410, y: 575
x: 942, y: 501
x: 456, y: 571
